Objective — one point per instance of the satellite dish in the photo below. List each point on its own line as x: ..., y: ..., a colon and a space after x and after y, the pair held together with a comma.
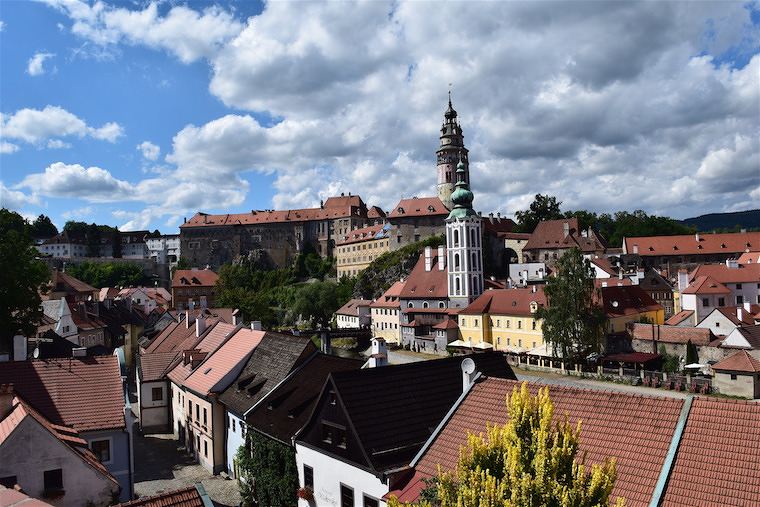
x: 36, y: 353
x: 468, y: 366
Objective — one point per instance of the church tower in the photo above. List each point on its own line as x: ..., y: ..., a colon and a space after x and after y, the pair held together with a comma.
x: 464, y: 249
x: 450, y: 152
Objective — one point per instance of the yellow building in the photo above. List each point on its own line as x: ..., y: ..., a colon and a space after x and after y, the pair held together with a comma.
x: 629, y: 303
x: 384, y: 312
x: 504, y: 319
x: 359, y: 247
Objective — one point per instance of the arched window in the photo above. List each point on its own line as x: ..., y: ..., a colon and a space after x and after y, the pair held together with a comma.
x: 457, y: 286
x: 456, y: 262
x: 441, y: 304
x: 425, y: 304
x: 456, y: 237
x: 474, y: 261
x: 410, y: 305
x: 472, y: 237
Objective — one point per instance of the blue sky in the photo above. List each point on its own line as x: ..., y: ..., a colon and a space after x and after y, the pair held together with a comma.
x: 243, y: 106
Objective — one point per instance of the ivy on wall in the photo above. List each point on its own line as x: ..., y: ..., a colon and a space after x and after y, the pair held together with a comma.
x: 267, y: 472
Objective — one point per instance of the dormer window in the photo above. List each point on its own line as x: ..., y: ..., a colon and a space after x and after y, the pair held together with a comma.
x: 400, y: 210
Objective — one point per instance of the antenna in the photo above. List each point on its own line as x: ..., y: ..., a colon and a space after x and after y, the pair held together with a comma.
x: 36, y: 353
x: 468, y: 366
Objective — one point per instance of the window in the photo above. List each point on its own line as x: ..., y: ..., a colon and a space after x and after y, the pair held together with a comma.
x: 101, y: 449
x: 327, y: 434
x: 441, y: 304
x: 346, y: 496
x: 519, y: 324
x: 53, y: 480
x: 533, y: 325
x: 739, y: 300
x: 197, y: 412
x: 205, y: 417
x: 705, y: 302
x: 733, y: 376
x: 205, y: 448
x: 308, y: 477
x: 233, y: 425
x: 8, y: 481
x: 738, y: 286
x: 721, y: 301
x: 370, y: 502
x: 508, y: 323
x: 190, y: 408
x: 157, y: 394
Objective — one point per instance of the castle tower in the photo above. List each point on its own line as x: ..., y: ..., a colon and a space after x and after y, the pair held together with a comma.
x: 464, y: 248
x: 450, y: 152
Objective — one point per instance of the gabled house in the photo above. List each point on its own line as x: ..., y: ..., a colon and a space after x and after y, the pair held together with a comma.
x: 368, y: 424
x: 738, y: 375
x: 415, y: 219
x: 649, y: 338
x: 354, y: 314
x: 191, y: 287
x: 47, y: 460
x: 275, y: 357
x: 659, y: 289
x: 626, y: 304
x: 58, y: 311
x: 747, y: 338
x: 63, y: 285
x: 725, y: 319
x: 384, y: 314
x: 552, y: 238
x: 87, y: 395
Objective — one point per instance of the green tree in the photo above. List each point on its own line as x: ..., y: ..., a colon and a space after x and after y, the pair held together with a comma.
x: 529, y: 461
x: 43, y: 228
x: 543, y: 207
x: 108, y: 274
x: 316, y: 302
x: 573, y: 322
x: 267, y: 472
x: 116, y: 245
x: 22, y: 278
x: 670, y: 363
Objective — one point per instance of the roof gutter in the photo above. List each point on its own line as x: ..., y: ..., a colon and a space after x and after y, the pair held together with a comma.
x: 444, y: 421
x: 670, y: 458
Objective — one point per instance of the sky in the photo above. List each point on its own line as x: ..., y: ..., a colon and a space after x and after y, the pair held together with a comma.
x: 139, y: 114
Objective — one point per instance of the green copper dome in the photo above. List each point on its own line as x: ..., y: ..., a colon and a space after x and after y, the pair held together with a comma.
x: 462, y: 197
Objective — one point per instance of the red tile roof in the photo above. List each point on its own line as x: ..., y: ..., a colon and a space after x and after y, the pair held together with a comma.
x: 706, y: 285
x: 208, y: 343
x: 506, y: 302
x: 718, y: 456
x: 679, y: 317
x: 720, y: 272
x: 352, y: 307
x: 687, y: 244
x: 69, y: 282
x: 742, y: 361
x: 550, y: 234
x: 375, y: 212
x: 231, y: 354
x: 194, y: 277
x: 612, y: 282
x: 185, y: 497
x: 389, y: 299
x: 605, y: 265
x: 749, y: 258
x: 419, y: 207
x: 423, y: 284
x: 14, y: 498
x: 627, y: 300
x: 636, y: 430
x: 748, y: 317
x: 671, y: 334
x: 370, y: 233
x: 154, y: 366
x: 172, y: 336
x: 334, y: 207
x: 82, y: 392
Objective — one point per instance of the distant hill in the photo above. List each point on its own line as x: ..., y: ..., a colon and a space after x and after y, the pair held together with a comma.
x: 749, y: 220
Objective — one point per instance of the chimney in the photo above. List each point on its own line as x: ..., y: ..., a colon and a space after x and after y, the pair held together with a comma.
x: 379, y: 356
x: 732, y: 263
x: 196, y: 358
x: 256, y: 325
x: 236, y: 317
x: 604, y: 284
x: 19, y: 348
x: 533, y: 289
x: 748, y: 307
x: 739, y: 313
x: 468, y: 373
x: 79, y: 352
x: 620, y: 274
x: 683, y: 279
x: 635, y: 249
x: 697, y: 238
x: 200, y: 326
x: 6, y: 400
x: 441, y: 258
x: 566, y: 229
x: 428, y: 258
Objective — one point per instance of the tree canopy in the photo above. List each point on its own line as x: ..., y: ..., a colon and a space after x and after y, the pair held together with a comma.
x: 108, y: 274
x: 572, y: 321
x: 543, y: 207
x: 42, y: 228
x: 529, y: 461
x: 268, y: 473
x: 21, y: 279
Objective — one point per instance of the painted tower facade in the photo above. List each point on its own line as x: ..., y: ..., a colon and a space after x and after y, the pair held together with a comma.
x: 450, y: 152
x: 464, y: 248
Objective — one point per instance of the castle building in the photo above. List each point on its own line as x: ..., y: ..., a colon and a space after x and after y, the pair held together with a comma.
x: 449, y: 154
x: 464, y: 248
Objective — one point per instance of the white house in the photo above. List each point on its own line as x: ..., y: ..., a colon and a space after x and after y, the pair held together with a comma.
x: 721, y: 321
x: 58, y: 310
x: 354, y: 314
x: 747, y: 338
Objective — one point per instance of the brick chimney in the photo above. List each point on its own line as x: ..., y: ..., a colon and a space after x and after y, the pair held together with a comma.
x: 200, y: 326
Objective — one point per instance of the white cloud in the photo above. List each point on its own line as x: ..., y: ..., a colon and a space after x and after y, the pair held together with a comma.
x: 57, y: 144
x: 183, y: 32
x: 2, y: 26
x: 6, y: 147
x: 91, y: 184
x: 78, y: 213
x: 149, y: 150
x: 15, y: 199
x: 36, y: 65
x: 53, y: 122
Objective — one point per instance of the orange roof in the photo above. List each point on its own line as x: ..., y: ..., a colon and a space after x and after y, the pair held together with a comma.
x: 627, y: 300
x: 423, y: 284
x: 671, y: 334
x: 717, y: 459
x: 749, y: 258
x: 679, y: 317
x: 748, y: 317
x: 375, y: 212
x: 14, y: 498
x: 82, y: 392
x: 185, y: 497
x: 352, y: 307
x: 612, y: 282
x: 334, y: 207
x: 364, y: 234
x: 687, y: 244
x: 744, y: 273
x: 419, y: 207
x: 605, y: 265
x: 390, y: 298
x: 506, y: 302
x: 634, y: 429
x: 233, y: 353
x: 551, y: 234
x: 194, y: 277
x: 67, y: 281
x: 706, y: 285
x: 741, y: 361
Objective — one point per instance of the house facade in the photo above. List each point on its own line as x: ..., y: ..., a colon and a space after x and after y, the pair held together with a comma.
x: 359, y: 247
x: 354, y: 314
x: 738, y: 375
x: 552, y: 238
x: 194, y: 287
x: 385, y: 314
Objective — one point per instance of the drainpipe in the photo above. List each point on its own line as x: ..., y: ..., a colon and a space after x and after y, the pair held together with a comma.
x: 670, y: 458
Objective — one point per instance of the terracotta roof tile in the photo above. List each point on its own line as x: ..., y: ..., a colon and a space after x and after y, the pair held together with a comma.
x: 506, y: 302
x: 679, y: 317
x: 717, y: 459
x: 627, y: 300
x: 732, y: 314
x: 419, y: 207
x: 13, y: 498
x: 82, y: 392
x: 194, y: 278
x: 390, y: 298
x: 211, y: 340
x: 751, y: 334
x: 185, y: 497
x: 687, y: 244
x: 550, y: 234
x: 365, y: 234
x: 423, y: 284
x: 749, y: 258
x: 636, y: 430
x: 69, y: 282
x: 741, y: 361
x: 352, y: 307
x: 671, y: 334
x: 153, y: 366
x: 721, y: 273
x: 706, y: 285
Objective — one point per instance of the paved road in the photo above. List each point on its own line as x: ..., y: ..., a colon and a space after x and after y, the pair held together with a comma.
x: 160, y: 467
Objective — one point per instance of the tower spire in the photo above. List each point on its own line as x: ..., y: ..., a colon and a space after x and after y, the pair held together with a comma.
x: 450, y: 151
